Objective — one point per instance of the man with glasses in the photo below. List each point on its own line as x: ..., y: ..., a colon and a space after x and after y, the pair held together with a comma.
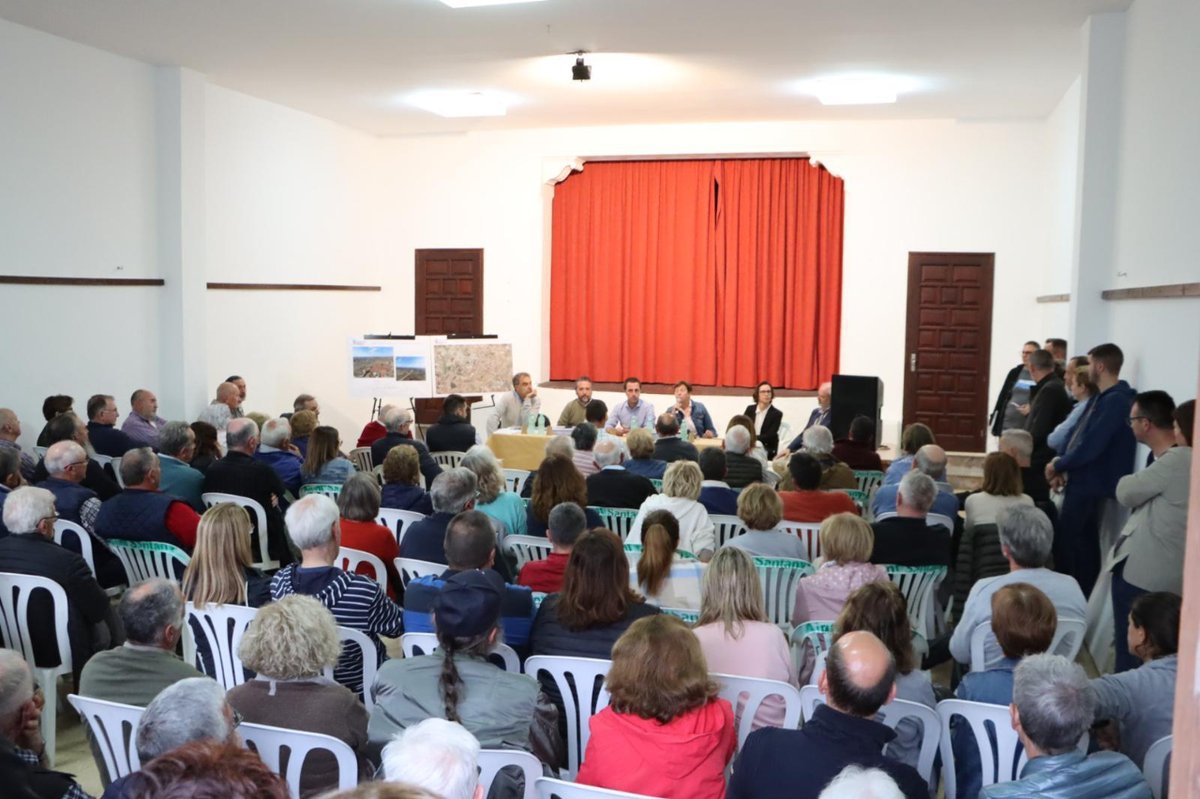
x: 102, y: 431
x: 1014, y: 394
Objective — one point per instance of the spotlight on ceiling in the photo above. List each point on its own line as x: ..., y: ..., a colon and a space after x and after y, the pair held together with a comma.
x: 580, y: 71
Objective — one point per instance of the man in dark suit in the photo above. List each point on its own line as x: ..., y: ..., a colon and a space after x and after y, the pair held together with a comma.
x: 740, y: 469
x: 453, y: 432
x: 612, y: 486
x: 69, y: 427
x: 905, y: 539
x: 715, y: 494
x: 452, y: 492
x: 102, y: 429
x: 239, y: 473
x: 1049, y: 405
x: 670, y: 447
x: 398, y: 424
x: 821, y: 415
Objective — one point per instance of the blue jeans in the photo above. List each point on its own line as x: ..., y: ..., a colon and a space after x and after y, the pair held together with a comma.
x: 1123, y: 595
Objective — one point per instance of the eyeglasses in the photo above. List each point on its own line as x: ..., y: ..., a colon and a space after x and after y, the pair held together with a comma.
x: 78, y: 463
x: 53, y: 518
x: 238, y: 718
x: 1133, y: 419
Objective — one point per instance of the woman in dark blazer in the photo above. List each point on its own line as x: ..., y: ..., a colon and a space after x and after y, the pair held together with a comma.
x: 764, y: 395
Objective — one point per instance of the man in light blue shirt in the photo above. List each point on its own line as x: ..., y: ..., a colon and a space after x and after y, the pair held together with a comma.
x: 634, y: 412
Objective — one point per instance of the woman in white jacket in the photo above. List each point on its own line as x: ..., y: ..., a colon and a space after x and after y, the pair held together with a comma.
x: 681, y: 490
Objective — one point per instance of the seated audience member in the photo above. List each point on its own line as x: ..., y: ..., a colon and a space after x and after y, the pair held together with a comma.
x: 642, y: 459
x: 208, y: 768
x: 102, y: 431
x: 452, y: 492
x: 846, y: 544
x: 221, y: 570
x: 289, y: 644
x: 23, y: 765
x: 10, y: 478
x: 667, y: 578
x: 224, y: 408
x: 612, y: 486
x: 303, y: 424
x: 239, y: 474
x: 10, y: 431
x: 66, y: 465
x: 458, y: 683
x: 54, y: 406
x: 862, y: 783
x: 141, y: 512
x: 715, y: 494
x: 575, y: 411
x: 492, y: 495
x: 1141, y: 702
x: 766, y: 417
x: 323, y: 461
x: 596, y: 414
x: 29, y: 548
x: 681, y: 490
x: 930, y: 460
x: 806, y: 502
x: 912, y: 438
x: 818, y: 442
x: 1025, y: 539
x: 355, y: 601
x: 152, y: 615
x: 665, y: 732
x: 453, y: 431
x: 373, y: 430
x: 401, y: 478
x: 96, y: 478
x: 1052, y: 708
x: 906, y: 539
x: 632, y: 414
x: 584, y: 438
x: 143, y: 424
x: 821, y: 416
x: 1023, y: 621
x: 1149, y: 553
x: 691, y: 413
x: 979, y: 549
x: 208, y: 448
x: 736, y: 637
x: 517, y: 407
x: 176, y: 448
x: 859, y: 678
x: 1018, y: 445
x: 398, y: 424
x: 567, y: 523
x: 857, y: 450
x: 470, y: 546
x: 669, y: 447
x: 740, y: 469
x: 1185, y: 420
x: 556, y: 481
x: 358, y: 504
x: 276, y: 451
x: 1049, y: 406
x: 879, y: 608
x: 437, y: 755
x: 761, y: 510
x: 1078, y: 379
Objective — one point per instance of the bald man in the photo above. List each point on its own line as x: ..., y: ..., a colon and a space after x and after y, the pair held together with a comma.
x: 931, y: 460
x: 859, y: 678
x: 223, y: 408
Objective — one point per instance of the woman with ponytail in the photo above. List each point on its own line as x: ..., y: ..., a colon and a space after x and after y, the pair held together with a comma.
x: 667, y: 579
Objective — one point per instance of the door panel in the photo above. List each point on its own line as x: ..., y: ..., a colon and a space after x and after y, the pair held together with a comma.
x: 449, y: 292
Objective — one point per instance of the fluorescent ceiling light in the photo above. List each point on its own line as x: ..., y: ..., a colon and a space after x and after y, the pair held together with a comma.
x: 855, y: 89
x: 460, y: 104
x: 478, y: 3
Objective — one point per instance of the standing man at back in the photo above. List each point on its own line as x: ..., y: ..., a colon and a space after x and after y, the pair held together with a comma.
x: 1048, y: 407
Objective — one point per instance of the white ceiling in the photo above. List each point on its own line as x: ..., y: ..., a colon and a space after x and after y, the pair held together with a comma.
x: 353, y: 61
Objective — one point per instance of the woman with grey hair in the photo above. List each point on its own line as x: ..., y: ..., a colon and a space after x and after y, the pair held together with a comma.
x: 291, y: 643
x: 680, y: 492
x: 494, y: 499
x: 358, y: 506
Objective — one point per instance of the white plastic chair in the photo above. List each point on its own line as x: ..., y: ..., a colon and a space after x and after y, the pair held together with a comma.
x: 145, y: 560
x: 448, y: 459
x: 808, y: 533
x: 686, y: 615
x: 417, y: 644
x: 492, y: 760
x: 398, y: 520
x: 727, y: 527
x: 116, y: 467
x: 103, y: 460
x: 527, y: 547
x: 361, y: 458
x: 331, y: 490
x: 619, y: 520
x: 919, y: 585
x: 114, y: 728
x: 550, y: 788
x: 779, y: 577
x: 746, y: 695
x: 270, y: 743
x: 349, y: 559
x: 411, y: 567
x: 580, y: 681
x: 515, y: 478
x: 222, y: 628
x: 817, y: 635
x: 1157, y: 765
x: 370, y: 660
x: 83, y: 541
x: 15, y: 591
x: 934, y: 519
x: 1008, y: 749
x: 868, y: 480
x: 1067, y: 641
x: 258, y: 515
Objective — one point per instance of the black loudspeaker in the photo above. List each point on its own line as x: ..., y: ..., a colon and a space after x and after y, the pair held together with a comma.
x: 853, y: 396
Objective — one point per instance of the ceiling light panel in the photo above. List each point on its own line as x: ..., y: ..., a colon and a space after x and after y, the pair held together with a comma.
x: 479, y: 3
x: 460, y: 104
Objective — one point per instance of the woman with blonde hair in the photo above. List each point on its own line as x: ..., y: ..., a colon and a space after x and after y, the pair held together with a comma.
x: 290, y: 644
x: 401, y: 481
x: 323, y: 462
x: 761, y: 509
x: 641, y: 455
x: 667, y: 579
x: 847, y: 542
x: 665, y: 732
x: 734, y: 632
x: 680, y: 492
x: 303, y: 424
x: 220, y: 572
x: 494, y: 499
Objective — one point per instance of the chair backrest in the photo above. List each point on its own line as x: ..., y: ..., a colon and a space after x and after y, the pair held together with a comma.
x: 15, y: 591
x: 114, y: 731
x: 1157, y: 765
x: 331, y: 490
x: 815, y: 634
x: 350, y: 559
x: 887, y: 514
x: 258, y: 515
x: 581, y: 683
x: 417, y: 644
x: 868, y: 479
x: 222, y: 628
x: 934, y: 519
x: 919, y: 586
x: 550, y: 788
x: 515, y: 479
x: 448, y: 459
x: 727, y: 527
x: 272, y: 743
x: 808, y: 533
x: 619, y: 520
x: 144, y: 560
x: 398, y: 520
x: 348, y: 636
x: 492, y: 760
x: 746, y: 694
x: 686, y: 615
x: 987, y: 722
x: 115, y: 463
x: 361, y: 458
x: 411, y: 567
x: 77, y: 540
x: 1067, y: 641
x: 527, y: 547
x: 779, y: 577
x: 103, y: 460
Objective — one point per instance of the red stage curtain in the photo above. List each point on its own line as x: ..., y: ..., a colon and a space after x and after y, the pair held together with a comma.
x: 714, y: 271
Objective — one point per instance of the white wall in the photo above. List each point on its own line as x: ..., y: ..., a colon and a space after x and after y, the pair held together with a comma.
x: 1062, y: 134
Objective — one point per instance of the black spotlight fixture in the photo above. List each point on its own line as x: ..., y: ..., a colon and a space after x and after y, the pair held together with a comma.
x: 580, y: 71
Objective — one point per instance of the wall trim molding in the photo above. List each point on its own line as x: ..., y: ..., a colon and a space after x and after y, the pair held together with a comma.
x: 1055, y: 298
x: 1169, y: 291
x: 290, y: 287
x: 30, y: 280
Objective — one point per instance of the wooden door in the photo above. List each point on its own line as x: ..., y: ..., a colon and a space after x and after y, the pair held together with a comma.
x: 948, y: 339
x: 449, y: 292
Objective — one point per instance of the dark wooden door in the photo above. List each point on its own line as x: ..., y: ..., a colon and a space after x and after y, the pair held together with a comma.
x: 948, y: 340
x: 449, y: 292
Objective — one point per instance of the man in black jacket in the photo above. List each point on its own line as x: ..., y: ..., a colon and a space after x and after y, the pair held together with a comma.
x: 670, y: 447
x: 398, y: 422
x: 612, y: 486
x: 453, y: 432
x: 906, y: 539
x: 99, y: 479
x: 1049, y: 405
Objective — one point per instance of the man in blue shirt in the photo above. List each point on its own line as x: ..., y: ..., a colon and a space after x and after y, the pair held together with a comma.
x: 931, y: 460
x: 634, y: 412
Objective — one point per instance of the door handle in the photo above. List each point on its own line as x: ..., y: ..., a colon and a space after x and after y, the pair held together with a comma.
x: 912, y: 362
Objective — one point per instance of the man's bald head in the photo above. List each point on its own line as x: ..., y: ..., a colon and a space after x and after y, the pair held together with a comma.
x: 931, y: 460
x: 860, y: 675
x: 228, y: 394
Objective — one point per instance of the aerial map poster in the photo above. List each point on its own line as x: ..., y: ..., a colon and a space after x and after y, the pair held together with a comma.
x: 480, y: 366
x: 399, y: 367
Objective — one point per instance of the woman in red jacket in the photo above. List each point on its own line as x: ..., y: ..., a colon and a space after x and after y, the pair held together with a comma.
x: 665, y: 733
